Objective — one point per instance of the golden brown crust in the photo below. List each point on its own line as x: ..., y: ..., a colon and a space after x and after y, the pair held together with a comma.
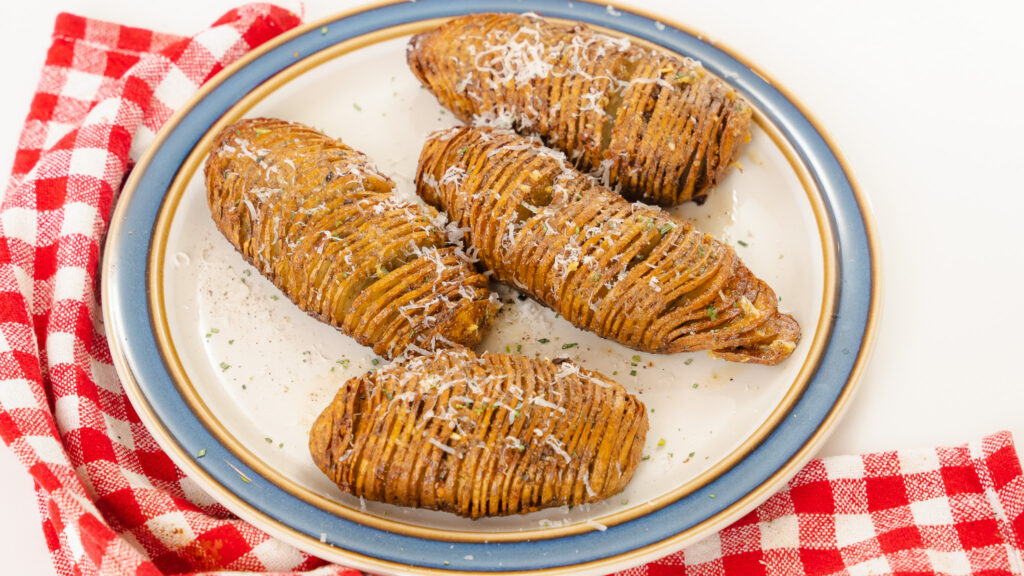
x: 478, y: 436
x: 653, y: 126
x: 319, y: 221
x: 629, y: 272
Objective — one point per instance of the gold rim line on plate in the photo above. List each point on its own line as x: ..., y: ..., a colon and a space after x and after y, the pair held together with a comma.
x: 206, y: 415
x: 249, y: 512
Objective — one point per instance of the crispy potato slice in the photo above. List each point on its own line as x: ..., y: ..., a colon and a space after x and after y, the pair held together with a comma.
x: 317, y: 219
x: 652, y: 126
x: 629, y: 272
x: 479, y: 436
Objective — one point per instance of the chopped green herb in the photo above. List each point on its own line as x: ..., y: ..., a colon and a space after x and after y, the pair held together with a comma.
x: 742, y: 243
x: 273, y: 297
x: 463, y: 150
x: 632, y: 372
x: 446, y: 563
x: 661, y: 442
x: 508, y: 349
x: 665, y: 228
x: 224, y: 366
x: 711, y: 495
x: 543, y: 340
x: 323, y: 30
x: 230, y: 342
x: 214, y: 331
x: 696, y: 385
x: 389, y: 394
x: 688, y: 361
x: 262, y: 131
x: 201, y: 453
x: 635, y: 358
x: 519, y: 347
x: 357, y: 107
x: 375, y: 361
x: 569, y: 345
x: 646, y: 457
x: 268, y: 440
x: 712, y: 312
x: 691, y: 454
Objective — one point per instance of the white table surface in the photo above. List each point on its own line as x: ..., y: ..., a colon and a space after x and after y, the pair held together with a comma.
x: 923, y: 100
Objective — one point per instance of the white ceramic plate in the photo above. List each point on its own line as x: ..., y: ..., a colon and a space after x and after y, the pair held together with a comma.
x: 251, y: 371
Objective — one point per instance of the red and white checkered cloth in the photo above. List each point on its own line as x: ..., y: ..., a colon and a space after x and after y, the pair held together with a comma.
x: 113, y: 503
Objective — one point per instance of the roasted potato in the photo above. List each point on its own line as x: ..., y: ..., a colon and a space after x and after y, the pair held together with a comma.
x: 652, y: 126
x: 478, y: 436
x: 317, y: 219
x: 625, y: 271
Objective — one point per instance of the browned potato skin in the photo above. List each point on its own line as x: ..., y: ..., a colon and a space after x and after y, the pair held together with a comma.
x: 625, y: 271
x: 518, y: 434
x: 652, y: 126
x: 321, y: 223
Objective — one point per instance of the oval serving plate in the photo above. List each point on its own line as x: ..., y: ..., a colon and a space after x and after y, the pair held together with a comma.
x: 223, y: 365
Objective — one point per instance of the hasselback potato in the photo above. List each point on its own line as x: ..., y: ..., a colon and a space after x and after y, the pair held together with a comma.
x: 652, y: 126
x: 318, y: 220
x: 480, y: 436
x: 625, y: 271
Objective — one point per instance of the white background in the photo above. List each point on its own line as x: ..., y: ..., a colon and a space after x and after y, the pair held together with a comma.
x: 923, y: 99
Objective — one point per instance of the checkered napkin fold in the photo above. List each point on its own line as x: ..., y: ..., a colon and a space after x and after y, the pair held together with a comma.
x: 113, y: 503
